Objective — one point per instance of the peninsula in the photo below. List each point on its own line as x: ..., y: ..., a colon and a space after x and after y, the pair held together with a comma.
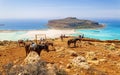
x: 73, y: 23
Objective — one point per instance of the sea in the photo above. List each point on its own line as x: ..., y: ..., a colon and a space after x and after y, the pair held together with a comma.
x: 18, y: 27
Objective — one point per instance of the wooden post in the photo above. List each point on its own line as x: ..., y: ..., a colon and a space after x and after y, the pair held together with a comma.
x: 36, y: 39
x: 45, y: 36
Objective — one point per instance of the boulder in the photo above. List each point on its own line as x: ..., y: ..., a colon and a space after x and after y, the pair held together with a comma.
x: 80, y: 62
x: 32, y: 65
x: 91, y: 56
x: 92, y: 59
x: 32, y: 57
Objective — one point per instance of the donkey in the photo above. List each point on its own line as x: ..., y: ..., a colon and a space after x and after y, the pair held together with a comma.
x: 21, y: 43
x: 73, y: 41
x: 36, y: 47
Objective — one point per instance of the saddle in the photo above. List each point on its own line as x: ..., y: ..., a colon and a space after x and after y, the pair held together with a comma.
x: 33, y: 46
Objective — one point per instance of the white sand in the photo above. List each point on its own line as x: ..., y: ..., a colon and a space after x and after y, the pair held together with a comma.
x: 50, y: 33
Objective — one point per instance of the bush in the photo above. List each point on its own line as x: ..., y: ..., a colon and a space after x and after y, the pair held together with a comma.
x: 61, y: 72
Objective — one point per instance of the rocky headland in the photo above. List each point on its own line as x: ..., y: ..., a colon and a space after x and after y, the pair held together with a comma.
x: 73, y: 23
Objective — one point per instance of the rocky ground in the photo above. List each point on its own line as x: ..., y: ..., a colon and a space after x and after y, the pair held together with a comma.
x: 89, y: 58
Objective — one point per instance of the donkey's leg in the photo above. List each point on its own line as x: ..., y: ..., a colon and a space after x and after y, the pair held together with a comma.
x: 68, y: 44
x: 74, y: 44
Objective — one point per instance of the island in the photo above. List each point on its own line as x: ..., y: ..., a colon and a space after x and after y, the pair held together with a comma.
x: 73, y: 23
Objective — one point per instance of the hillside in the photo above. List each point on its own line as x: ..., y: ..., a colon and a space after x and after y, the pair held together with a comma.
x: 73, y: 23
x: 102, y: 58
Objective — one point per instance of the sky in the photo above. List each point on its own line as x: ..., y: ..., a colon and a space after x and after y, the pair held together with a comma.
x: 59, y: 8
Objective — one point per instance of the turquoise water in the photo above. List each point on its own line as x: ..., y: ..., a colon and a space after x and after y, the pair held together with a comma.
x: 110, y: 32
x: 12, y: 35
x: 20, y: 24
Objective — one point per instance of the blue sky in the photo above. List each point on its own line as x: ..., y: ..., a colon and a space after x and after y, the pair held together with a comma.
x: 59, y: 8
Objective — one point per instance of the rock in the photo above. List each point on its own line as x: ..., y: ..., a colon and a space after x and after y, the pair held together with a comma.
x: 61, y: 67
x: 61, y: 55
x: 96, y: 62
x: 118, y: 65
x: 7, y: 67
x: 32, y: 57
x: 61, y: 72
x: 80, y: 62
x: 51, y: 69
x: 93, y: 71
x: 69, y: 66
x: 67, y: 70
x: 102, y: 60
x: 29, y: 69
x: 58, y: 49
x: 117, y: 53
x: 17, y: 60
x: 33, y: 65
x: 72, y: 53
x: 76, y: 74
x: 91, y: 56
x: 61, y: 62
x: 110, y: 46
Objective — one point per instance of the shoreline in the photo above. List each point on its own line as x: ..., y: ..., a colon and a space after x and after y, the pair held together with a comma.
x: 30, y: 34
x: 19, y: 30
x: 52, y: 28
x: 49, y: 32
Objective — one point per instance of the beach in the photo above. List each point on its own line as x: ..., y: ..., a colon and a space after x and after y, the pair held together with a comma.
x: 30, y: 34
x: 27, y: 29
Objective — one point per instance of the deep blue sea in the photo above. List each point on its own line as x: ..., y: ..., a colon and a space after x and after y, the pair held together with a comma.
x: 23, y: 24
x: 110, y: 32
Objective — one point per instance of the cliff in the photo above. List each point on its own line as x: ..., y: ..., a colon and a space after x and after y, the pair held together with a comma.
x: 73, y: 23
